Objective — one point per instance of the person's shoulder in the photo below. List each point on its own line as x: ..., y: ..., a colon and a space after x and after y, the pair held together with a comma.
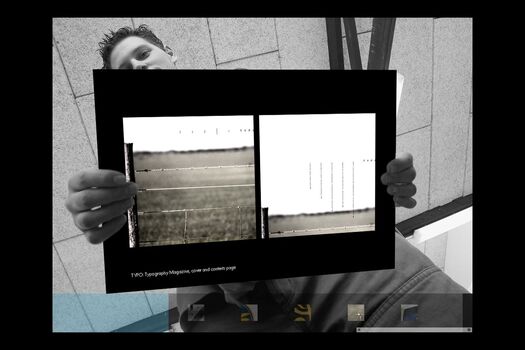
x: 410, y: 264
x: 415, y: 280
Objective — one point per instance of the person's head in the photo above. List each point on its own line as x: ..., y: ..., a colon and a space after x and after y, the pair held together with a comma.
x: 139, y: 48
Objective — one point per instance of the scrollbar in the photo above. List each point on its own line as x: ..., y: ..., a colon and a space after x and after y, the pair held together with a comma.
x: 414, y: 329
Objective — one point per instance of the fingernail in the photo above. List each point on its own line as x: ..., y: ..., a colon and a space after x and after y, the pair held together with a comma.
x: 119, y: 179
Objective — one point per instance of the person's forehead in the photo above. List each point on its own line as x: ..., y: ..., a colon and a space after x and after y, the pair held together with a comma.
x: 125, y: 47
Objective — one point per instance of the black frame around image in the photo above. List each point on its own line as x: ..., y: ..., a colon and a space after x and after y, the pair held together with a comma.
x: 179, y: 93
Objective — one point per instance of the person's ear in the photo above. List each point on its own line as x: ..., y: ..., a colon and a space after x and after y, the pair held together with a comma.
x: 169, y: 51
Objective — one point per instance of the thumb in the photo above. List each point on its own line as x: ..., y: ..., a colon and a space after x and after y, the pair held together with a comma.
x: 402, y: 162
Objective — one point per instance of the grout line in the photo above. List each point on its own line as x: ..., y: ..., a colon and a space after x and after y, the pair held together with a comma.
x: 86, y: 132
x: 277, y: 40
x: 147, y: 301
x: 84, y: 95
x: 211, y: 42
x: 413, y: 130
x: 252, y: 56
x: 431, y: 118
x: 75, y: 100
x: 466, y: 154
x: 471, y: 96
x: 358, y: 33
x: 445, y: 254
x: 133, y: 23
x: 63, y: 66
x: 74, y: 289
x: 68, y: 238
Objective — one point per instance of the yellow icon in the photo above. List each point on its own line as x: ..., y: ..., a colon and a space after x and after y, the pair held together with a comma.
x: 303, y: 312
x: 249, y: 313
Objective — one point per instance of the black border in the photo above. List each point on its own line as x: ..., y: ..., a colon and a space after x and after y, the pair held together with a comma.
x: 246, y: 92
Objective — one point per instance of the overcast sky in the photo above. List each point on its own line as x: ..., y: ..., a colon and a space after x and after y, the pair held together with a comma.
x: 290, y: 144
x: 160, y: 134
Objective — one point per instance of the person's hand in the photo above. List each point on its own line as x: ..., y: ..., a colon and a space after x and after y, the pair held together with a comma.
x: 398, y: 178
x: 98, y: 201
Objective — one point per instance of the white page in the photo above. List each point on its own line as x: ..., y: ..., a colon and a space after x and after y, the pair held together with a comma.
x: 293, y: 148
x: 161, y: 134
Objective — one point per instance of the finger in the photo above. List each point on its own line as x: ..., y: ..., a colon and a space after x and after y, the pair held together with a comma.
x: 90, y: 219
x: 402, y: 162
x: 108, y: 229
x: 96, y: 178
x: 402, y: 190
x: 94, y: 197
x: 406, y: 176
x: 406, y: 202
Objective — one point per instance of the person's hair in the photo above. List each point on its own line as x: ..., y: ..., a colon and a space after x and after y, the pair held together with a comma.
x: 110, y: 40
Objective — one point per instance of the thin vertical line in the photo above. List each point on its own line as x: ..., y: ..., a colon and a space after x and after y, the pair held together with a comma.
x: 332, y: 184
x: 445, y: 254
x: 310, y: 173
x: 343, y: 184
x: 353, y: 190
x: 259, y: 219
x: 211, y: 42
x: 147, y: 301
x: 466, y: 155
x: 321, y: 179
x: 277, y: 41
x: 184, y: 238
x: 240, y: 222
x: 431, y: 118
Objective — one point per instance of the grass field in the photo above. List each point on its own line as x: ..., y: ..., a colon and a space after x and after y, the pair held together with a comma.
x: 200, y: 225
x: 310, y: 224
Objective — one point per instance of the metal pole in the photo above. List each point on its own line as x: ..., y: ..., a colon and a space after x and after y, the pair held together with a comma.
x: 133, y: 223
x: 240, y: 222
x: 335, y: 43
x: 184, y: 238
x: 265, y: 229
x: 381, y: 43
x: 352, y: 43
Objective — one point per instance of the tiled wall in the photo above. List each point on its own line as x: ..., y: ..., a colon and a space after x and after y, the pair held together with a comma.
x: 434, y: 123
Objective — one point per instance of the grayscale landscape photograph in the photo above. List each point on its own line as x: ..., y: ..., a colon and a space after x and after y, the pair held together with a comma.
x: 195, y: 176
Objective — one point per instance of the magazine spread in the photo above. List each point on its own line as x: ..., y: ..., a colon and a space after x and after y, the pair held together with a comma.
x: 226, y: 195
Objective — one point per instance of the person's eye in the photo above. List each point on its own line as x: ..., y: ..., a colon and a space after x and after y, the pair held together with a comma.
x: 144, y: 54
